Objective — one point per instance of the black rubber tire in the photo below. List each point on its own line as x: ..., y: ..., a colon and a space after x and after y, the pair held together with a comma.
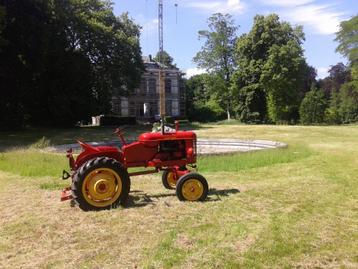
x: 165, y: 180
x: 183, y: 179
x: 89, y: 166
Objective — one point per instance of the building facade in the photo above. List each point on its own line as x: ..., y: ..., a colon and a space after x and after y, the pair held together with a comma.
x: 144, y: 103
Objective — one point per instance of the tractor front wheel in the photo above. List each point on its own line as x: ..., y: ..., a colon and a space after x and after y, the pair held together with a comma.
x: 168, y: 180
x: 100, y: 183
x: 192, y: 187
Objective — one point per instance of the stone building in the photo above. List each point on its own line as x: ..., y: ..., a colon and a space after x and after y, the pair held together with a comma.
x: 143, y: 103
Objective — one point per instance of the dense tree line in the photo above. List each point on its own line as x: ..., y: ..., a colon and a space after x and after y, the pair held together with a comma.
x: 269, y: 79
x: 60, y: 61
x: 335, y: 99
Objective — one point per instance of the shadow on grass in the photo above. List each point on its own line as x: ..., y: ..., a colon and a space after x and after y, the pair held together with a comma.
x: 142, y: 199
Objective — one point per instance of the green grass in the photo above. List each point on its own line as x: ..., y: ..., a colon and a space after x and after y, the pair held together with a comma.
x: 248, y: 160
x: 29, y: 163
x: 295, y: 207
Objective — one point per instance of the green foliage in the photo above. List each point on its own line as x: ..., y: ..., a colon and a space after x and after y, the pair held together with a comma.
x: 344, y: 106
x: 271, y: 70
x: 66, y: 58
x: 348, y: 109
x: 217, y: 53
x: 166, y: 59
x: 216, y: 56
x: 313, y: 106
x: 282, y: 77
x: 251, y: 106
x: 332, y: 112
x: 348, y: 39
x: 338, y: 75
x: 203, y: 98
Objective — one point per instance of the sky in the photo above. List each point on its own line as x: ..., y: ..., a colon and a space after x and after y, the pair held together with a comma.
x: 184, y: 18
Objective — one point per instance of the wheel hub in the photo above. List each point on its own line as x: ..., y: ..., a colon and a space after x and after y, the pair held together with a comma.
x: 171, y: 179
x: 102, y: 187
x: 193, y: 189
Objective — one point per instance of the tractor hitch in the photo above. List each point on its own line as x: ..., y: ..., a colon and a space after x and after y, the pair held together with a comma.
x: 66, y: 194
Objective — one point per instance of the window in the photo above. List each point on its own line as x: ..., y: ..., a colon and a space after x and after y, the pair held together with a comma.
x: 140, y: 109
x: 124, y: 107
x: 168, y: 107
x: 116, y: 106
x: 175, y: 108
x: 152, y: 86
x: 168, y: 85
x: 132, y: 108
x: 143, y: 86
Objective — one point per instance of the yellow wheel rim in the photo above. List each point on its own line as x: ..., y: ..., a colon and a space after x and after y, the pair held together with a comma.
x: 192, y: 190
x: 102, y: 187
x: 171, y: 180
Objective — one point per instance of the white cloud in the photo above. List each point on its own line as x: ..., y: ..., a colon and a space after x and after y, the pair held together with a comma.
x: 286, y: 3
x: 150, y: 25
x: 322, y: 72
x: 321, y: 18
x: 228, y: 6
x: 194, y: 71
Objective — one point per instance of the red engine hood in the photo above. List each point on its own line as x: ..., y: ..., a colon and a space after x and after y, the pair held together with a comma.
x: 157, y: 136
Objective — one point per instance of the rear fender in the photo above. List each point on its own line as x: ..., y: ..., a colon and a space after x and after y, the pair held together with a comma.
x: 90, y: 152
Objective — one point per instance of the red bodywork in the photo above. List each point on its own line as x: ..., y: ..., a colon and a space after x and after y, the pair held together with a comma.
x: 168, y: 151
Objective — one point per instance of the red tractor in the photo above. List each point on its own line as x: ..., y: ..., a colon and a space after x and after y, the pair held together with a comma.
x: 100, y: 177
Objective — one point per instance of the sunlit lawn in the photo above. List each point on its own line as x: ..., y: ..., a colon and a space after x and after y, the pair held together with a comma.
x: 293, y: 207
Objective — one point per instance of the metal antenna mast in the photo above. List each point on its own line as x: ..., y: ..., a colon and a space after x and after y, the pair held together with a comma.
x: 161, y: 67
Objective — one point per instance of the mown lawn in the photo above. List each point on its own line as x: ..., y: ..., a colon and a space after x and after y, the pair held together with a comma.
x: 285, y: 208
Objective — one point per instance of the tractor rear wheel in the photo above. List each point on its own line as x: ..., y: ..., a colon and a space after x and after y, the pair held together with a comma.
x: 100, y: 183
x: 192, y: 187
x: 168, y: 180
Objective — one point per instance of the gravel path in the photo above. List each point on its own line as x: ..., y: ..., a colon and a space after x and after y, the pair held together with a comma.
x: 205, y: 146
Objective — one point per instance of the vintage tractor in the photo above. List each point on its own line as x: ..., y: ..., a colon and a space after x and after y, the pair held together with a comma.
x: 100, y: 177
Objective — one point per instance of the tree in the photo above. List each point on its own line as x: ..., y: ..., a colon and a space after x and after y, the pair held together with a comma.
x: 313, y: 106
x: 348, y: 107
x: 257, y: 85
x: 338, y: 75
x: 216, y: 56
x: 63, y: 60
x: 347, y: 102
x: 332, y: 115
x: 347, y: 37
x: 282, y: 78
x: 202, y: 102
x: 166, y: 59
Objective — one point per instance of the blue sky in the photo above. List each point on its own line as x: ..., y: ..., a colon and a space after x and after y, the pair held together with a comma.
x: 320, y: 20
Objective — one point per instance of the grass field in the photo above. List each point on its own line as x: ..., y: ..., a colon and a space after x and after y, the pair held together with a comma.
x: 283, y: 208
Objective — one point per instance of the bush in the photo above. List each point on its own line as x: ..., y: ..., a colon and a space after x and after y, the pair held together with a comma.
x: 210, y: 111
x: 348, y: 109
x: 312, y: 109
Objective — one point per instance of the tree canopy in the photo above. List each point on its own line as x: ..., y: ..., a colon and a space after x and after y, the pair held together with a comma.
x: 216, y: 55
x: 271, y: 71
x: 60, y: 61
x: 166, y: 59
x: 347, y: 38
